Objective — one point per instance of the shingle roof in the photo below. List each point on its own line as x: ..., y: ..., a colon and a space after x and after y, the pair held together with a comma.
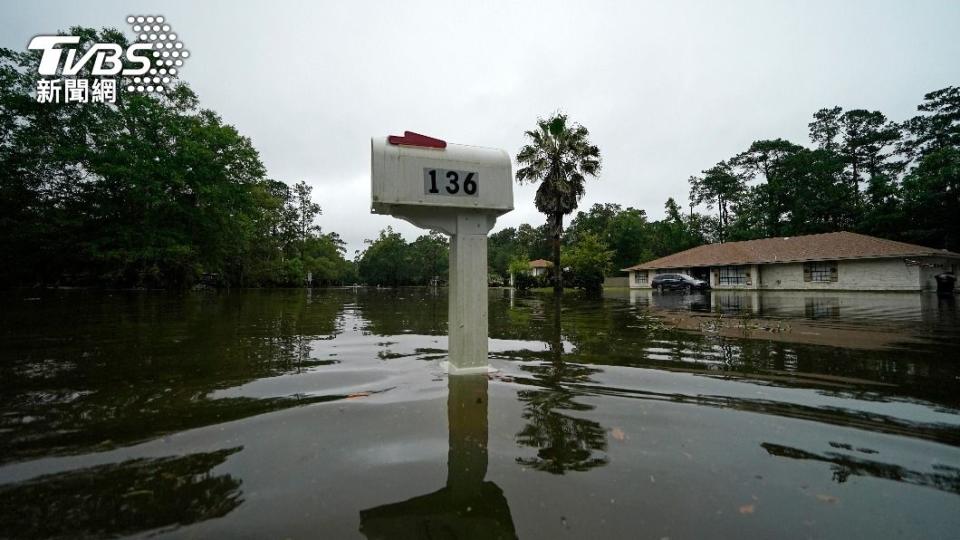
x: 814, y: 247
x: 540, y: 263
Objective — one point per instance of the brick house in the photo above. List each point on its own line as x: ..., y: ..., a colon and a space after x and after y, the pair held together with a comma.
x: 830, y: 261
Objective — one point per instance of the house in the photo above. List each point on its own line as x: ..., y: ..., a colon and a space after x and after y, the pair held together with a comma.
x: 540, y: 267
x: 831, y: 261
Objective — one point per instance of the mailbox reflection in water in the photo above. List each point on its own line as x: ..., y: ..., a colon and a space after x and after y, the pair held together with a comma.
x: 469, y: 506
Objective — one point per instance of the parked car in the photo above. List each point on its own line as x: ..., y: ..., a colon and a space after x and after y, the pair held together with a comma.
x: 681, y: 282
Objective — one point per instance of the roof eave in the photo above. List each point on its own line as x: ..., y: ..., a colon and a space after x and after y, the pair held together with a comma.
x: 648, y: 266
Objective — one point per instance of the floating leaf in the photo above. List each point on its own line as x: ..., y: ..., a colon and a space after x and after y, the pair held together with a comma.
x: 618, y: 434
x: 746, y: 509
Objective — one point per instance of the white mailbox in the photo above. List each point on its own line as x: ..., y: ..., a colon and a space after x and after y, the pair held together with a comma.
x: 459, y: 190
x: 419, y: 171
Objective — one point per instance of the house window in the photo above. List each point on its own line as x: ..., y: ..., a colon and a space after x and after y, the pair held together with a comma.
x: 820, y: 272
x: 732, y: 275
x: 640, y: 278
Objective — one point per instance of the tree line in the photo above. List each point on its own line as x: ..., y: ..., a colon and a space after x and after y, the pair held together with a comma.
x: 156, y: 191
x: 152, y: 191
x: 863, y: 172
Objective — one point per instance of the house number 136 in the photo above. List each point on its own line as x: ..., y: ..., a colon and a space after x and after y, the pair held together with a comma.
x: 446, y: 182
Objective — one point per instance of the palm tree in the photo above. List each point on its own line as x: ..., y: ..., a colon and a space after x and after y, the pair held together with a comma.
x: 559, y: 156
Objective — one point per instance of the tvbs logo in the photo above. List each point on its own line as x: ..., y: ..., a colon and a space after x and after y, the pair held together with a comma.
x: 150, y: 64
x: 107, y: 57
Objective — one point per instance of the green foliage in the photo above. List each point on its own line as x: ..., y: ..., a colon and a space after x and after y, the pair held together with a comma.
x: 523, y: 281
x: 939, y: 129
x: 520, y: 265
x: 719, y: 185
x: 931, y: 194
x: 429, y: 258
x: 589, y: 261
x: 151, y: 191
x: 634, y: 239
x: 390, y: 261
x: 866, y: 174
x: 508, y: 244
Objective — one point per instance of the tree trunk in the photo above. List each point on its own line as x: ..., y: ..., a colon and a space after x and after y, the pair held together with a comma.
x: 557, y: 271
x: 720, y: 205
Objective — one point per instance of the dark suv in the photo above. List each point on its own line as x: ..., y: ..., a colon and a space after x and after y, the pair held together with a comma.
x: 683, y: 282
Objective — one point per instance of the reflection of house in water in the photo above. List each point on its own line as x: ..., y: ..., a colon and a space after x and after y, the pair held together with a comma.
x: 696, y: 301
x: 468, y: 506
x: 840, y: 261
x: 887, y: 306
x: 821, y: 307
x: 736, y: 302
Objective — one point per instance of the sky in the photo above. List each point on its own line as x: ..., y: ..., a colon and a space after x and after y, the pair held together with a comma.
x: 667, y: 89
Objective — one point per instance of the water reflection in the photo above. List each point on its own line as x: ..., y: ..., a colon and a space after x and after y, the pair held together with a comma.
x: 850, y: 305
x: 613, y: 400
x: 843, y: 466
x: 138, y: 365
x: 123, y: 498
x: 564, y: 442
x: 468, y: 506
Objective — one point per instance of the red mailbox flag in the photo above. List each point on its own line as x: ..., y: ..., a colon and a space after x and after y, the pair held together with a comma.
x: 415, y: 139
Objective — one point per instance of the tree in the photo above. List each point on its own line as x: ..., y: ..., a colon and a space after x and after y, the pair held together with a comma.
x: 519, y: 269
x: 150, y: 191
x: 937, y: 130
x: 385, y: 261
x: 502, y: 247
x: 559, y: 157
x: 931, y: 189
x: 932, y: 197
x: 763, y: 162
x: 534, y: 241
x: 323, y: 258
x: 429, y: 258
x: 305, y: 211
x: 589, y: 260
x: 719, y: 185
x: 596, y: 220
x: 865, y: 139
x: 630, y: 237
x: 674, y: 233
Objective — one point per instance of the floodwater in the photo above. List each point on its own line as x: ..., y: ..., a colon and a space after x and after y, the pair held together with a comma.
x: 306, y: 414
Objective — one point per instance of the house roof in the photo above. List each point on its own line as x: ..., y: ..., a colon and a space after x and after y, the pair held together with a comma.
x: 813, y: 247
x: 540, y: 263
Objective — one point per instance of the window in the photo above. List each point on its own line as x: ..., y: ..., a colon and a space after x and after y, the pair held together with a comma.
x: 732, y: 275
x: 820, y: 272
x: 640, y: 277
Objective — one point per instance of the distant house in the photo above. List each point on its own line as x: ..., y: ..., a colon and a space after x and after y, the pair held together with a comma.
x: 540, y: 267
x: 831, y: 261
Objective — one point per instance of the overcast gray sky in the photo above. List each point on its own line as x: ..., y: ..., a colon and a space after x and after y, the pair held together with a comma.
x: 665, y: 88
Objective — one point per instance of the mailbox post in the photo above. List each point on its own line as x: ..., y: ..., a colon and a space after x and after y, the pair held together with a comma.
x: 459, y: 190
